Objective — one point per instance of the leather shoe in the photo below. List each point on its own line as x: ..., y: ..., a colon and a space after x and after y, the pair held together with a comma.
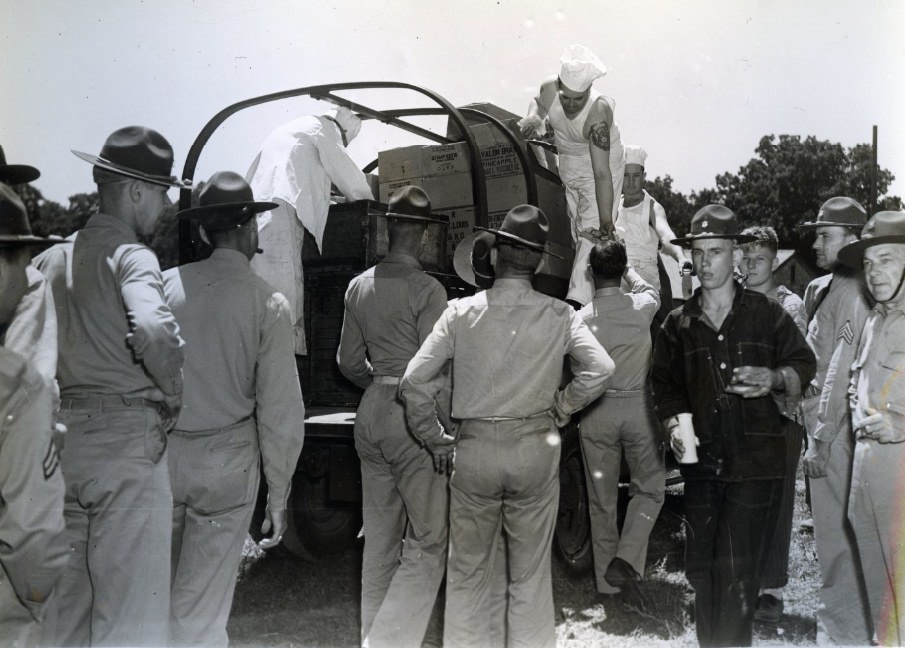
x: 622, y: 575
x: 769, y: 609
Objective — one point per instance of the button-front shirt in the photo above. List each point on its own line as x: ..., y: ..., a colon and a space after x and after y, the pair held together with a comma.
x: 117, y: 335
x: 297, y: 164
x: 839, y: 309
x: 239, y: 358
x: 507, y: 346
x: 389, y: 311
x: 621, y: 322
x: 741, y: 438
x: 32, y: 333
x: 878, y: 375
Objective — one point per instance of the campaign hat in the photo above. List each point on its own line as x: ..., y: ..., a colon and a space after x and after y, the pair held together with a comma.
x: 839, y: 212
x: 15, y: 230
x: 524, y: 225
x: 137, y: 152
x: 13, y: 174
x: 714, y: 222
x: 471, y: 260
x: 224, y: 202
x: 883, y: 227
x: 411, y: 203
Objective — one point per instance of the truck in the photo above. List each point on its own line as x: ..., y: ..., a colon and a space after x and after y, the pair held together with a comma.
x: 474, y: 172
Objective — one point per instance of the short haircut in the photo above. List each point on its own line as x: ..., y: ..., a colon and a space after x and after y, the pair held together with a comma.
x: 516, y: 256
x: 608, y: 259
x: 764, y: 237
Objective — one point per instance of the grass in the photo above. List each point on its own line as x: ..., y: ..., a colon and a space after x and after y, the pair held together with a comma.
x: 283, y: 601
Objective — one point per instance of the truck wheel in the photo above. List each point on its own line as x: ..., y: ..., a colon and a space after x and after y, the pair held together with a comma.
x: 572, y: 539
x: 313, y: 525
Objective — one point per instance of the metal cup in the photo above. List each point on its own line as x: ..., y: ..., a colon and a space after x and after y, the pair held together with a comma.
x: 689, y: 440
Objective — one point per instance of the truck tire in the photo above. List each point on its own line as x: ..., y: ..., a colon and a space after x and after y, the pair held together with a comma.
x: 572, y: 538
x: 315, y: 527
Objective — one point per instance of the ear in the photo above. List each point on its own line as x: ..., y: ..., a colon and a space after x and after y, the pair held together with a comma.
x: 493, y: 256
x: 203, y: 233
x: 775, y: 264
x: 136, y: 191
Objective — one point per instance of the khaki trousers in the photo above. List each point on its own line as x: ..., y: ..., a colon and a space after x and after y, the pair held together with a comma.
x: 405, y: 506
x: 843, y: 609
x: 215, y: 478
x: 613, y: 424
x: 877, y: 512
x: 115, y: 590
x: 506, y: 480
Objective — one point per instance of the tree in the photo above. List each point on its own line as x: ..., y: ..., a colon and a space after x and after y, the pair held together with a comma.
x: 678, y: 208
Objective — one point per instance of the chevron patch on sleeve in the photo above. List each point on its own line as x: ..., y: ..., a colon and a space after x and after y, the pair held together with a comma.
x: 845, y: 332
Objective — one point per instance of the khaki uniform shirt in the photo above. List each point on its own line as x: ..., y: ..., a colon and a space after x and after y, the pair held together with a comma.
x: 239, y: 358
x: 878, y: 374
x: 622, y: 324
x: 117, y: 335
x: 507, y: 346
x: 389, y: 311
x: 838, y: 308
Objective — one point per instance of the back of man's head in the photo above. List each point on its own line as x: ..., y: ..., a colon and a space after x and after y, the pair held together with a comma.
x: 406, y: 237
x: 608, y: 260
x: 518, y: 258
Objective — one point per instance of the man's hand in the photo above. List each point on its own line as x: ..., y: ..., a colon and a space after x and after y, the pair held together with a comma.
x: 675, y: 441
x: 878, y: 427
x: 275, y: 520
x: 816, y: 458
x: 753, y: 382
x: 443, y: 449
x: 171, y: 404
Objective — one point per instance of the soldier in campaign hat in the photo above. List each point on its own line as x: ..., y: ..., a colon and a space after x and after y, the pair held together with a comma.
x: 719, y: 358
x: 876, y: 505
x: 241, y: 406
x: 837, y: 307
x: 33, y: 552
x: 389, y: 310
x: 120, y: 377
x: 504, y: 348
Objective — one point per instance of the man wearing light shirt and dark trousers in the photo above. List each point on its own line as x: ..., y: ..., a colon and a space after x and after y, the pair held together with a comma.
x: 242, y: 406
x: 389, y: 311
x: 622, y: 420
x: 504, y: 347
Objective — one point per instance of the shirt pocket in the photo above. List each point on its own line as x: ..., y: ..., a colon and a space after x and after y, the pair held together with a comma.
x: 892, y: 387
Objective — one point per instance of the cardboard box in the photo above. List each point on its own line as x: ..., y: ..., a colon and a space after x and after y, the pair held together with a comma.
x: 444, y: 190
x: 419, y: 161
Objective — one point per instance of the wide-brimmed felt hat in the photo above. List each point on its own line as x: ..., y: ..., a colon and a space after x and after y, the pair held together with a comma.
x: 883, y: 227
x: 411, y: 203
x: 714, y: 222
x: 839, y: 212
x: 224, y: 202
x: 137, y: 152
x: 13, y: 174
x: 524, y: 225
x: 15, y: 230
x: 471, y: 260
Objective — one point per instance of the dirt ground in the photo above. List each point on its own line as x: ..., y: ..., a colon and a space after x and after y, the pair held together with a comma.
x: 284, y: 601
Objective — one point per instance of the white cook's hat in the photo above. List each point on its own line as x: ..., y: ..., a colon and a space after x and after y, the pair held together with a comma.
x: 635, y: 154
x: 580, y: 66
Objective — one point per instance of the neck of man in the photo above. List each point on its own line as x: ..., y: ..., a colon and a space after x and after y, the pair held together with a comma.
x: 766, y: 288
x: 717, y: 299
x: 630, y: 200
x: 600, y: 283
x: 514, y: 273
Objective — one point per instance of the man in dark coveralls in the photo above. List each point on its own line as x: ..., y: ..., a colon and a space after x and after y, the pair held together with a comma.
x: 720, y: 357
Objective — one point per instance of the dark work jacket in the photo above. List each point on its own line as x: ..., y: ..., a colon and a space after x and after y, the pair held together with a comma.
x: 741, y: 438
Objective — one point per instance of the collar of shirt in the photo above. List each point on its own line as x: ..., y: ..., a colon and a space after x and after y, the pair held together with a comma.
x: 693, y: 306
x: 230, y: 257
x: 102, y: 220
x: 511, y: 283
x: 609, y: 290
x: 398, y: 257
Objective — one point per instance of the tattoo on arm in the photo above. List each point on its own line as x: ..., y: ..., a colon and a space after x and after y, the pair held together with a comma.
x: 600, y: 136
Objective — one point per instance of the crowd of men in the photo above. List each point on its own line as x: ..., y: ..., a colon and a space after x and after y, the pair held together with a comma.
x: 177, y: 390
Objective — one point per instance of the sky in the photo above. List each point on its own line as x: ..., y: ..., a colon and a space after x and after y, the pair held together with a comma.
x: 697, y: 83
